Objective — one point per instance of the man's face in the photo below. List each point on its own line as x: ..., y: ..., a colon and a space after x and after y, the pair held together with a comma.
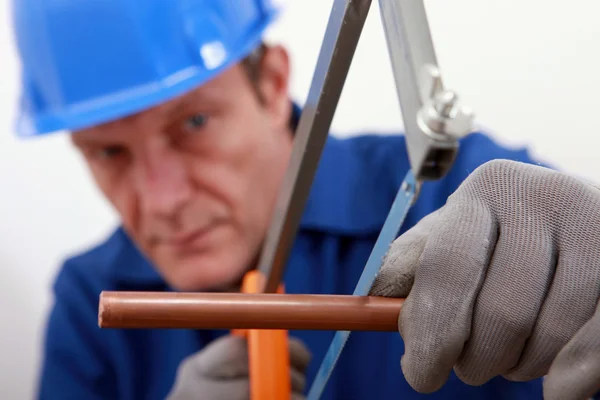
x: 195, y: 179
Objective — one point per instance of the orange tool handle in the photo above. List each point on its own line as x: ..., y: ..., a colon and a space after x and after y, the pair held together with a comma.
x: 268, y: 353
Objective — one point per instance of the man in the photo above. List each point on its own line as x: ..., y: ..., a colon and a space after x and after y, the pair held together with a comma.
x: 184, y: 119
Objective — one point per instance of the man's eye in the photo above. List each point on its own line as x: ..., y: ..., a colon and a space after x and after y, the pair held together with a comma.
x: 107, y: 153
x: 195, y: 122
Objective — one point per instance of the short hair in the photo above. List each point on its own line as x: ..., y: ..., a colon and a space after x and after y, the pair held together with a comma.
x: 252, y: 65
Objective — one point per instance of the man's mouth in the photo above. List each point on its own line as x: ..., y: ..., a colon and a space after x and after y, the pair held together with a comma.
x: 192, y: 239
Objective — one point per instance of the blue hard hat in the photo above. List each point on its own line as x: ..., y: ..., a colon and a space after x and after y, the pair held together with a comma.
x: 86, y: 62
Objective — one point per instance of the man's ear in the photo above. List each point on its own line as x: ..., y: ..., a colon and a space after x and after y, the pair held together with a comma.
x: 274, y: 84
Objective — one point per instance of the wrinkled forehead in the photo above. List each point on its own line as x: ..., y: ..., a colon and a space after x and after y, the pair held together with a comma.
x: 155, y: 116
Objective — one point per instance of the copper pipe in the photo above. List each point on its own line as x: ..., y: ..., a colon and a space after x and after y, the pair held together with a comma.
x: 247, y: 311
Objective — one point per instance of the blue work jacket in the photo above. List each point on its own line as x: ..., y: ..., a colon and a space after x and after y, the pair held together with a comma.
x: 353, y: 189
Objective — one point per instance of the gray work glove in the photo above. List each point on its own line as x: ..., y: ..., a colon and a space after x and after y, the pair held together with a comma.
x: 503, y: 280
x: 220, y: 371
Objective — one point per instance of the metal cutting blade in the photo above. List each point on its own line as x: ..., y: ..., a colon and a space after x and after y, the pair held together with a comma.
x: 393, y: 223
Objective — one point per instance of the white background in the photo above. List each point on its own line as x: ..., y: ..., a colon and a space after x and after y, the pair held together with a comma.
x: 528, y: 68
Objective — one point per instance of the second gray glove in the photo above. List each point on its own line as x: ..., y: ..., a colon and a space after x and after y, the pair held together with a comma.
x: 502, y: 280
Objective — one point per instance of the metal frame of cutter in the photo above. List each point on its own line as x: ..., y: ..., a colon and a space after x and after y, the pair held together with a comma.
x: 433, y: 119
x: 433, y: 123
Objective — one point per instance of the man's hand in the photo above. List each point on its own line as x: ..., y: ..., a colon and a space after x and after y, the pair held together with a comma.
x: 502, y: 280
x: 220, y: 371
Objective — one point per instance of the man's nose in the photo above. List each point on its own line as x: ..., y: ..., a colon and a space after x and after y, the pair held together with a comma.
x: 162, y: 181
